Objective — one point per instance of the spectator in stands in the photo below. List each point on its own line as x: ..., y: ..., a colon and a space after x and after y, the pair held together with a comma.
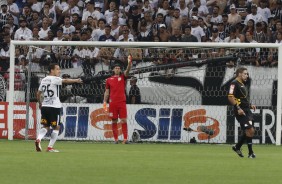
x: 90, y: 11
x: 107, y: 36
x: 215, y: 36
x: 202, y: 9
x: 70, y: 9
x: 136, y: 17
x: 251, y: 54
x: 233, y: 17
x: 176, y: 20
x: 164, y: 8
x: 131, y: 27
x: 47, y: 13
x: 115, y: 26
x: 147, y: 7
x: 100, y: 31
x: 13, y: 27
x: 277, y: 11
x: 259, y: 35
x: 187, y: 36
x: 13, y: 9
x: 264, y: 10
x: 36, y: 20
x: 35, y: 33
x: 197, y: 30
x: 163, y: 33
x: 91, y: 23
x: 249, y: 27
x: 272, y: 59
x: 109, y: 12
x: 36, y: 6
x: 176, y: 36
x: 3, y: 15
x: 4, y: 57
x: 216, y: 17
x: 253, y: 15
x: 67, y: 27
x: 65, y: 53
x: 26, y: 14
x: 134, y: 92
x: 225, y: 23
x: 144, y: 35
x: 23, y: 33
x: 222, y: 33
x: 232, y: 38
x: 184, y: 11
x: 43, y: 33
x: 184, y: 23
x: 194, y: 12
x: 76, y: 21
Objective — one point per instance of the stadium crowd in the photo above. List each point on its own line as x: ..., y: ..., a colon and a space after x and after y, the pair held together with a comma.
x: 136, y: 20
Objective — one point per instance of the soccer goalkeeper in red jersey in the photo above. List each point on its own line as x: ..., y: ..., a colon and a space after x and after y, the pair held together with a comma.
x: 115, y: 89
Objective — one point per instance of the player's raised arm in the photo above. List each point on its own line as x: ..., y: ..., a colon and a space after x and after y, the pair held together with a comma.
x: 128, y: 68
x: 70, y: 81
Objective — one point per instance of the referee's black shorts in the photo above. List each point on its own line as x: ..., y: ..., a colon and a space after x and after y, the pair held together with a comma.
x: 245, y: 120
x: 50, y: 116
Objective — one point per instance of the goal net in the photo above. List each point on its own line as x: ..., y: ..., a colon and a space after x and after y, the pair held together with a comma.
x: 181, y: 93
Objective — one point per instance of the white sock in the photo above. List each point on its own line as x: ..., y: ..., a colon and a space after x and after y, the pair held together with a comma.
x: 42, y: 132
x: 53, y: 139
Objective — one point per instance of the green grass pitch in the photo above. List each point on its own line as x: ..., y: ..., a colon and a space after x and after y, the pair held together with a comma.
x: 87, y: 162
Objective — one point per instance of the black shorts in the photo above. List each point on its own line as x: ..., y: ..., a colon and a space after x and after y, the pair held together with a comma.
x: 245, y: 120
x: 50, y: 116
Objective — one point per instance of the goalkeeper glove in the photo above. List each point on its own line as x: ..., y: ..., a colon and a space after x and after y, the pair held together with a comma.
x: 105, y: 107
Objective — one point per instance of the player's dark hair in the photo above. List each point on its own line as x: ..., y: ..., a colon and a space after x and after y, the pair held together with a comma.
x: 52, y: 66
x: 240, y: 70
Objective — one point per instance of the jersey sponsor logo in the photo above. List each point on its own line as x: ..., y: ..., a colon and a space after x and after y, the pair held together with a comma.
x: 119, y: 79
x: 231, y: 90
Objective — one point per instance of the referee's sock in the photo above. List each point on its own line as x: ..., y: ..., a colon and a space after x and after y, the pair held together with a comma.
x: 250, y: 145
x: 241, y: 142
x: 42, y: 132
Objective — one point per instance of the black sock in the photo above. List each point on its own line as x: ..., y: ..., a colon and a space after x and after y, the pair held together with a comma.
x: 250, y: 144
x: 241, y: 142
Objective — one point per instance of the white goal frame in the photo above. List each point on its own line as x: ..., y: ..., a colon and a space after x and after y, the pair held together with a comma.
x: 14, y: 43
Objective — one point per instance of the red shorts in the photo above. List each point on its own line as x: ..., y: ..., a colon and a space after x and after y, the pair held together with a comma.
x: 118, y: 110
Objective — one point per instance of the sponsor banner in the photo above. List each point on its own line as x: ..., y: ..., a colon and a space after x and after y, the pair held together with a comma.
x: 214, y: 124
x: 154, y: 123
x: 19, y: 120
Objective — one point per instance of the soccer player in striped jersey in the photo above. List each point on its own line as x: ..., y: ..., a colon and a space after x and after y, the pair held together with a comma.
x: 51, y: 105
x: 115, y: 89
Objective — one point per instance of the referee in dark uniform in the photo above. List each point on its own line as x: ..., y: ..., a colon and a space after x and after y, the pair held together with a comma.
x: 238, y: 97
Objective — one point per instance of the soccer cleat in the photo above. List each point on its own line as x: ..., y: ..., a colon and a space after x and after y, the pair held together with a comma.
x: 115, y: 142
x: 252, y: 155
x: 125, y: 142
x: 52, y: 150
x: 38, y: 145
x: 238, y: 151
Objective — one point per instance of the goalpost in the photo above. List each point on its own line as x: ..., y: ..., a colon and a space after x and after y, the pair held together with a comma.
x: 176, y: 80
